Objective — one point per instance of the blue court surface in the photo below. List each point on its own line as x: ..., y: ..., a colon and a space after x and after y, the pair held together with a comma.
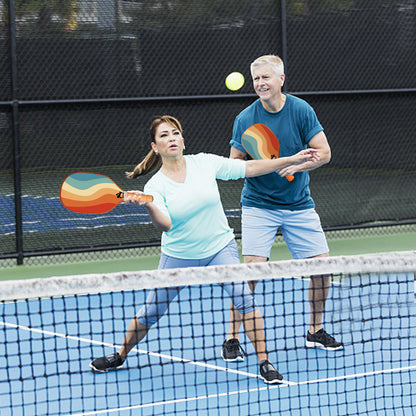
x: 46, y: 346
x: 48, y: 214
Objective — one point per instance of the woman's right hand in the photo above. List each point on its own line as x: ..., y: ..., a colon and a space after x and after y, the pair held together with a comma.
x: 307, y: 155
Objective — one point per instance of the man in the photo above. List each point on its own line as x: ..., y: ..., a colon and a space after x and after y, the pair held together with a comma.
x: 271, y: 202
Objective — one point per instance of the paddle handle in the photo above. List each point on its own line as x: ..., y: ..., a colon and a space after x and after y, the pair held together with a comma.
x: 140, y: 197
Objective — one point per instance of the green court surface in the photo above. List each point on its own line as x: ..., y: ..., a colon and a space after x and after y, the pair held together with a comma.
x: 338, y: 244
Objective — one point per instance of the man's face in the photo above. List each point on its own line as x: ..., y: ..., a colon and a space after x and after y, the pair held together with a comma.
x: 267, y: 84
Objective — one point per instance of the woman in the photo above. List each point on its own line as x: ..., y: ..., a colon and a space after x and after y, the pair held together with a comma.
x: 187, y: 208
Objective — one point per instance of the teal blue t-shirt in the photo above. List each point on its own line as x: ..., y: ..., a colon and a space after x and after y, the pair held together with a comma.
x: 199, y: 226
x: 294, y: 126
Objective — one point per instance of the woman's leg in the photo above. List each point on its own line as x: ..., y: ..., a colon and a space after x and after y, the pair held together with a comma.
x: 135, y: 333
x: 243, y: 299
x: 249, y: 315
x: 236, y: 317
x: 246, y: 310
x: 253, y: 326
x: 259, y: 228
x: 154, y: 308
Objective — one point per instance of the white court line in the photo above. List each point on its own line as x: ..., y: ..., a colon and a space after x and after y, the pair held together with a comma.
x: 185, y: 361
x: 100, y: 218
x: 155, y: 354
x: 275, y: 386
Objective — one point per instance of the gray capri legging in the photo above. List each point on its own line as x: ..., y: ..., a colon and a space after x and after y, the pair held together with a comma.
x: 159, y: 299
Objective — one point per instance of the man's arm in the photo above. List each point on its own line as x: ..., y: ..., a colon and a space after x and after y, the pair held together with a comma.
x: 318, y: 142
x: 237, y: 154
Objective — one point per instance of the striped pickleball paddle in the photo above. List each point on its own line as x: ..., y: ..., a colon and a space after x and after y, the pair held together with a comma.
x: 261, y: 143
x: 91, y: 193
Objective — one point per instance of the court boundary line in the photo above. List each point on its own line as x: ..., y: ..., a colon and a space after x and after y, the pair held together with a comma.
x: 201, y: 364
x: 285, y: 383
x: 139, y: 350
x: 211, y: 396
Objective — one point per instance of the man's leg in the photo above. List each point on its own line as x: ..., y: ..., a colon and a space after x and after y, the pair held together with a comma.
x: 318, y: 294
x: 317, y: 337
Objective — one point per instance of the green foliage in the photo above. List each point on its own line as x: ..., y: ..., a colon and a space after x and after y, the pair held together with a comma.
x: 186, y: 12
x: 35, y: 7
x: 305, y: 7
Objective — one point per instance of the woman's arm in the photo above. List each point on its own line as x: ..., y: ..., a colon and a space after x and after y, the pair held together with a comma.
x: 159, y: 220
x: 263, y: 167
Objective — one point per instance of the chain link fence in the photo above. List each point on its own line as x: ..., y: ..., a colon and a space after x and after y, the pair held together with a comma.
x: 81, y: 80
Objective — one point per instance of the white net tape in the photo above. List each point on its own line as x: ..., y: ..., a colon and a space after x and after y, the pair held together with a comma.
x: 98, y: 283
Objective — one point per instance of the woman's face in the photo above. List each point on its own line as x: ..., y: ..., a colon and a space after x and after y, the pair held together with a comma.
x: 168, y: 142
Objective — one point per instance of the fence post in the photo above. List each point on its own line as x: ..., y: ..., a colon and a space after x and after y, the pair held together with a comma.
x: 15, y: 133
x: 284, y: 38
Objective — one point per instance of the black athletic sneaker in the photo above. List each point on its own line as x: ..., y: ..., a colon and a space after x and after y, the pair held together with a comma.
x: 269, y: 374
x: 232, y: 350
x: 322, y: 339
x: 109, y: 362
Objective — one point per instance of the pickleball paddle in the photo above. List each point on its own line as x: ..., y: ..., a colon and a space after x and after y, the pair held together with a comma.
x: 261, y: 143
x: 92, y: 193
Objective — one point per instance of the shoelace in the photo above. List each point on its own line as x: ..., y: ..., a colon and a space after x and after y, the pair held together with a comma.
x: 231, y: 346
x: 328, y: 339
x: 327, y: 336
x: 114, y: 359
x: 267, y: 367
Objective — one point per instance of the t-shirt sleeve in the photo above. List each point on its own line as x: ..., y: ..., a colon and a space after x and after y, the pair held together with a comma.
x: 153, y: 189
x: 310, y: 123
x: 227, y: 169
x: 237, y: 133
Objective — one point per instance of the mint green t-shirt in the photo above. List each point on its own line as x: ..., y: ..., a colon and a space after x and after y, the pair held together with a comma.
x: 199, y: 225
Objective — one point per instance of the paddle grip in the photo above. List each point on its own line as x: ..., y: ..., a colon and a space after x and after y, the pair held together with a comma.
x: 140, y: 197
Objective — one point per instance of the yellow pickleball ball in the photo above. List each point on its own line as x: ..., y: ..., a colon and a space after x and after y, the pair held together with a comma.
x: 234, y: 81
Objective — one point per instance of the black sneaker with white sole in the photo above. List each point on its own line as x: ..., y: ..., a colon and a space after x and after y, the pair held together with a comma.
x: 232, y: 350
x: 109, y: 362
x: 323, y: 340
x: 269, y: 374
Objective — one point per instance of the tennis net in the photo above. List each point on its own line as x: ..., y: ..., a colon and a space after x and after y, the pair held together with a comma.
x: 50, y: 330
